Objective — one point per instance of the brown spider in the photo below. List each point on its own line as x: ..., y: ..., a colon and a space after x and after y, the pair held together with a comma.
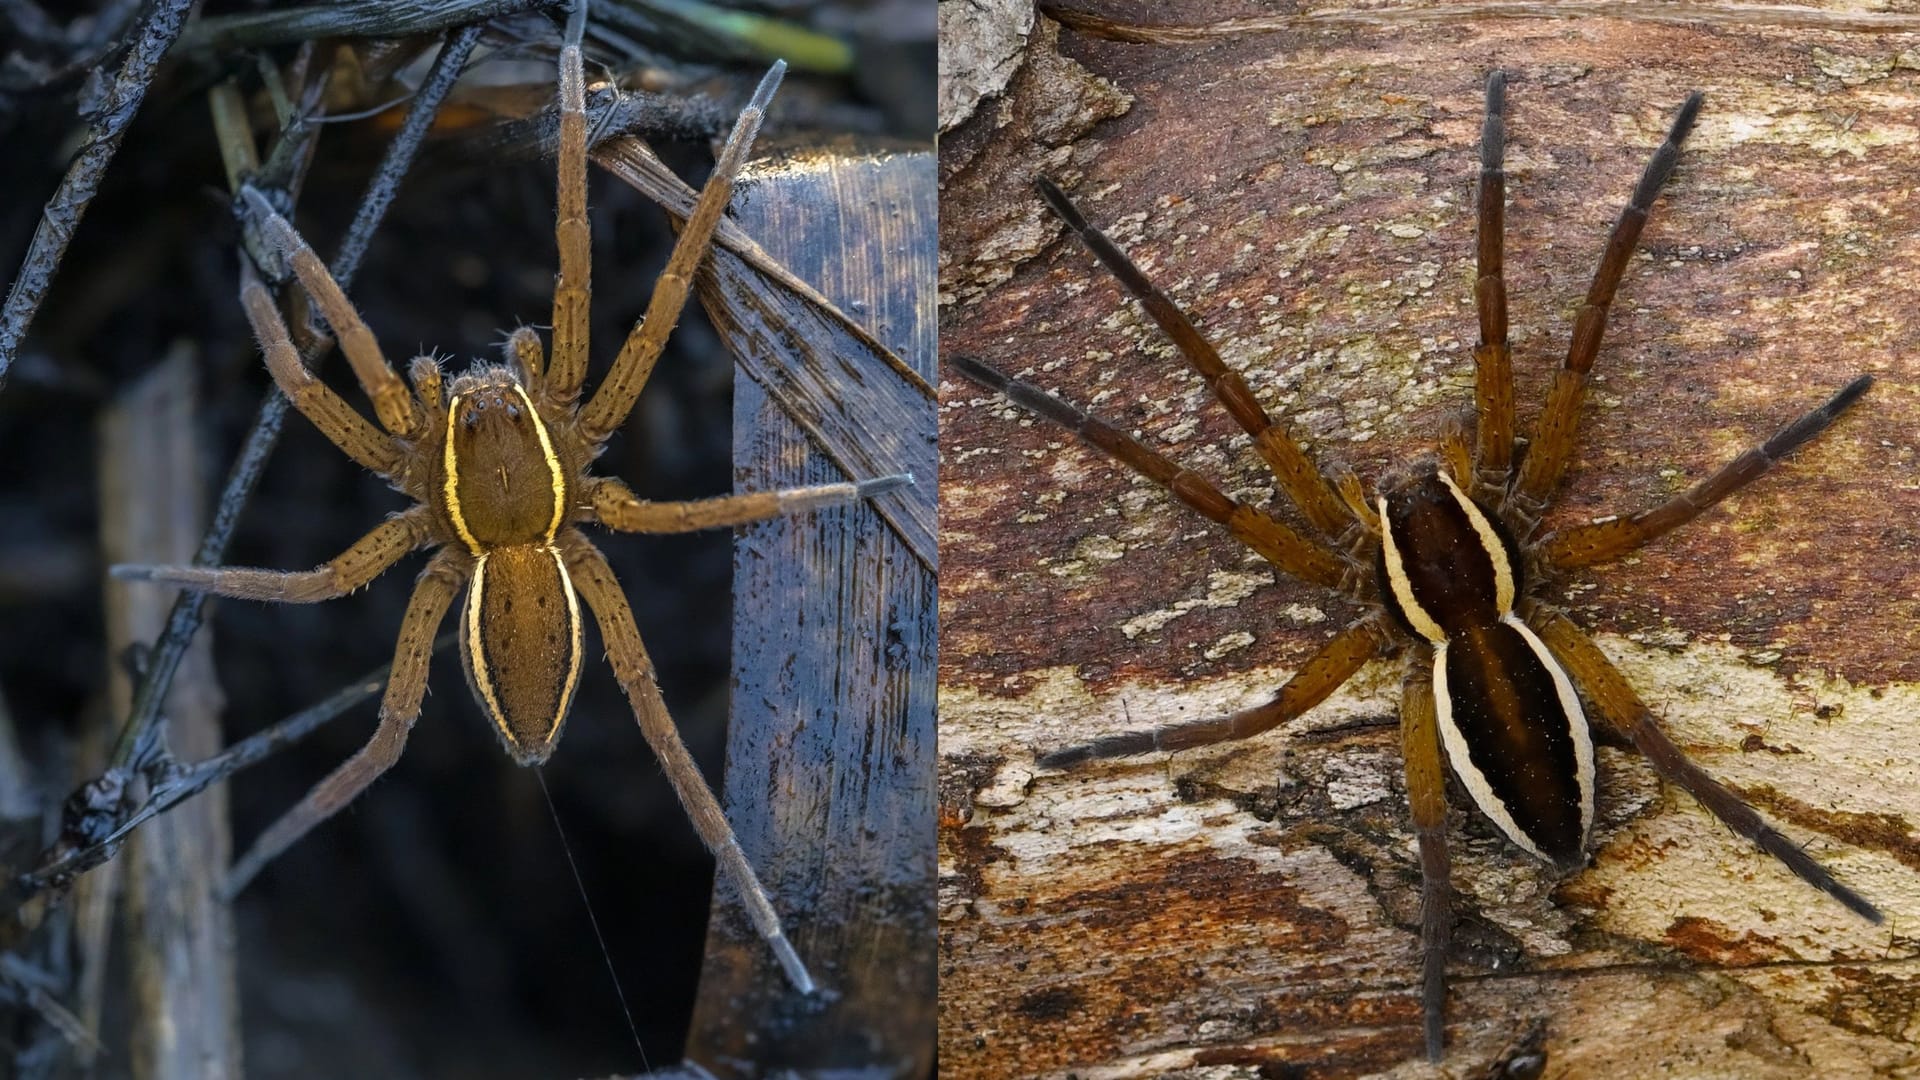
x: 497, y: 465
x: 1446, y: 559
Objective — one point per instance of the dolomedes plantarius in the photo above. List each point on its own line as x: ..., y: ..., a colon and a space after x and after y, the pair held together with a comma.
x: 497, y: 465
x: 1446, y: 560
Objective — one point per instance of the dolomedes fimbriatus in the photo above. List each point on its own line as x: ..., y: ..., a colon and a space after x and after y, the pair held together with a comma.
x: 497, y: 465
x: 1446, y: 560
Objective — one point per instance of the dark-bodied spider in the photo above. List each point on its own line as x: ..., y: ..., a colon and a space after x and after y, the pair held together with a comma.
x: 1446, y: 559
x: 497, y: 465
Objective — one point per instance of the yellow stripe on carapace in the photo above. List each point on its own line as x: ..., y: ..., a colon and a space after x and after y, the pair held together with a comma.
x: 1423, y: 623
x: 1489, y: 539
x: 450, y: 462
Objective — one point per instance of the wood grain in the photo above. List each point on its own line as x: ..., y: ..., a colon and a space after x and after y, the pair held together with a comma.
x: 830, y: 755
x: 1308, y: 195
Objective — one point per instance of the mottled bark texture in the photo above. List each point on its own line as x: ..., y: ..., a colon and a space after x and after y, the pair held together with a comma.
x: 1308, y: 195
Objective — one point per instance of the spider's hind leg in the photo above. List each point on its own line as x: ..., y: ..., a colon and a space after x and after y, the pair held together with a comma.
x: 634, y: 670
x: 1427, y: 798
x: 1622, y: 709
x: 399, y: 708
x: 1323, y: 673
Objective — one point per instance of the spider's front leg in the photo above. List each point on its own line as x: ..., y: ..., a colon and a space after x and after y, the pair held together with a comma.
x: 634, y: 669
x: 1295, y: 554
x: 1492, y: 357
x: 1603, y: 541
x: 610, y: 404
x: 1553, y: 441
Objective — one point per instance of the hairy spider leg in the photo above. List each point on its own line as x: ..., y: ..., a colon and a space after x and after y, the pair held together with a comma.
x: 445, y: 575
x: 368, y: 557
x: 341, y: 423
x: 634, y: 671
x: 1278, y: 544
x: 610, y: 404
x: 1323, y: 673
x: 1603, y: 541
x: 616, y: 506
x: 1305, y: 484
x: 573, y: 291
x: 1492, y: 357
x: 1622, y: 709
x: 393, y: 403
x: 1553, y: 441
x: 1427, y: 798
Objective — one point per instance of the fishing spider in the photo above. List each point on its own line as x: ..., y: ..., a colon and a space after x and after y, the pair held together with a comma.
x: 1446, y: 561
x: 497, y: 465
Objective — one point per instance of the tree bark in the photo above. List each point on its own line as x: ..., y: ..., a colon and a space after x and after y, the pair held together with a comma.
x: 1307, y: 194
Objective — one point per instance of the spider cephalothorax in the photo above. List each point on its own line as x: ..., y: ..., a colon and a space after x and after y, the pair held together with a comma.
x: 1495, y: 674
x: 497, y: 465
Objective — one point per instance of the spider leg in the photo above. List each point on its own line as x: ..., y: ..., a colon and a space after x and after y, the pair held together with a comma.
x: 524, y: 353
x: 618, y: 508
x: 1303, y: 481
x: 634, y: 670
x: 399, y: 707
x: 611, y: 403
x: 1427, y: 795
x: 1293, y: 553
x: 1492, y: 357
x: 343, y: 426
x: 573, y: 292
x: 424, y: 372
x: 1552, y: 444
x: 1321, y: 675
x: 1621, y: 708
x: 1585, y: 545
x: 392, y: 403
x: 368, y: 558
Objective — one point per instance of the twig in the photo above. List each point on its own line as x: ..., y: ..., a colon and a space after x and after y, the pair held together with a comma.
x: 63, y: 212
x: 180, y: 783
x: 350, y: 18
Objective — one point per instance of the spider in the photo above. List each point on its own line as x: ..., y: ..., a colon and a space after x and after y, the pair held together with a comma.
x: 497, y: 465
x: 1447, y: 559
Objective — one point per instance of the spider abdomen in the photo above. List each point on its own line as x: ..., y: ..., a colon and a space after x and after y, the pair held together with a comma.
x: 1514, y: 733
x: 1509, y: 719
x: 520, y: 645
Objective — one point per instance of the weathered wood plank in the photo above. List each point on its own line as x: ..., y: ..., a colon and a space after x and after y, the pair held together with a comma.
x: 831, y: 741
x: 1308, y: 195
